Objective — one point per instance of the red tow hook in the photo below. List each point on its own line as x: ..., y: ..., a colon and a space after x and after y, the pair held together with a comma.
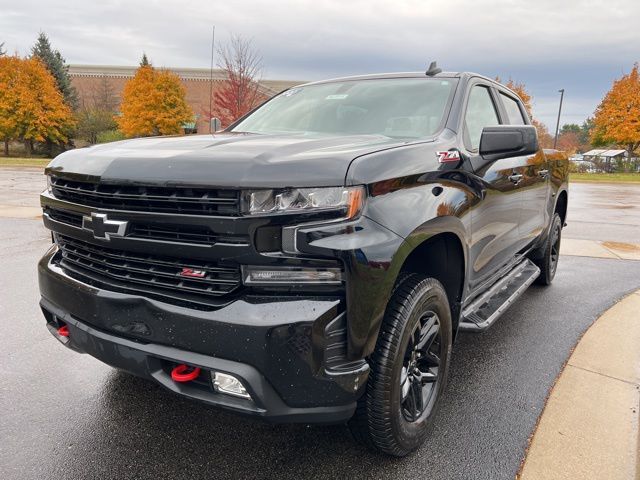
x: 63, y: 331
x: 184, y: 373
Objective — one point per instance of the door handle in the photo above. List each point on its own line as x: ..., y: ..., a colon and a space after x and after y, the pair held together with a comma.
x: 543, y: 173
x: 515, y: 178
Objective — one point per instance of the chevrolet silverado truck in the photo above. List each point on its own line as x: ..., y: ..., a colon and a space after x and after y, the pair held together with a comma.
x: 315, y: 261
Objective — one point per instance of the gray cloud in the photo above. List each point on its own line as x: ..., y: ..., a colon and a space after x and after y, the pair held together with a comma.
x: 577, y: 45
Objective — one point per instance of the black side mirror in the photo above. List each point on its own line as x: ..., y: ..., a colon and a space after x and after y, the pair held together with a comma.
x: 503, y: 141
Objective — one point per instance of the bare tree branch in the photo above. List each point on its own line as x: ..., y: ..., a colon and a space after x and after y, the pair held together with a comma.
x: 242, y: 66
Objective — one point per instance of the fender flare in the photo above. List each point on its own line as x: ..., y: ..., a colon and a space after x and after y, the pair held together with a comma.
x: 423, y: 233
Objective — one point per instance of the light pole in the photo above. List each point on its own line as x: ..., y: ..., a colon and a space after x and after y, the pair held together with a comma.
x: 213, y: 39
x: 555, y: 140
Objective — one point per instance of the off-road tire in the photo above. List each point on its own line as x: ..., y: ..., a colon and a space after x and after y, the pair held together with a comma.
x: 548, y: 262
x: 379, y: 421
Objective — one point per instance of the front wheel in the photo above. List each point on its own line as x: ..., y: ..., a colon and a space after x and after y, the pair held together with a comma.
x: 409, y: 369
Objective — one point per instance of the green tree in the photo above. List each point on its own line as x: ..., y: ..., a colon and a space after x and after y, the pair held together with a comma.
x: 2, y: 50
x: 144, y: 61
x: 92, y: 122
x: 96, y: 113
x: 55, y: 63
x: 570, y: 127
x: 585, y: 131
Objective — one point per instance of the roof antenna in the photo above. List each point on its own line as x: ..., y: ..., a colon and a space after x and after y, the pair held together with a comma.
x: 433, y: 70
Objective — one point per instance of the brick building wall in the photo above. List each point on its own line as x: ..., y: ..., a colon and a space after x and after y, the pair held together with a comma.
x: 91, y: 82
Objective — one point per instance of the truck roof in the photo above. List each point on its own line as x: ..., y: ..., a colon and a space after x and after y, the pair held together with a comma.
x: 402, y: 75
x: 461, y: 75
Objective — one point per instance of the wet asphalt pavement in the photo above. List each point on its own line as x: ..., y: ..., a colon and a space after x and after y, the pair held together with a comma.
x: 65, y: 415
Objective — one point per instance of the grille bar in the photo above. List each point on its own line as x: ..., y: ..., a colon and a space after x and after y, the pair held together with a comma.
x: 180, y: 200
x: 63, y: 216
x: 197, y: 234
x: 156, y: 274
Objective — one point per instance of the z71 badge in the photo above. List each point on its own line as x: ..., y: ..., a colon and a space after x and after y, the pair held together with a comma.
x: 192, y: 273
x: 448, y: 156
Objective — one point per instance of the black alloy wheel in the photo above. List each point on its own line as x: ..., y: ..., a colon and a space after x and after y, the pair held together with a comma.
x: 419, y: 374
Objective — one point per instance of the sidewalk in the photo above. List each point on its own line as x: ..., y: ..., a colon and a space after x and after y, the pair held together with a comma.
x: 589, y: 428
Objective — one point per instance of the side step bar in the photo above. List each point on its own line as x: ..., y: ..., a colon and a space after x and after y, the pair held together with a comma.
x: 485, y: 310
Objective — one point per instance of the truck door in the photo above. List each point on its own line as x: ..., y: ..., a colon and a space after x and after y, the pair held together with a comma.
x: 495, y: 237
x: 534, y: 216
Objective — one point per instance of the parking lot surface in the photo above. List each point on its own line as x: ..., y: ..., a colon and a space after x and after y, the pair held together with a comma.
x: 66, y: 415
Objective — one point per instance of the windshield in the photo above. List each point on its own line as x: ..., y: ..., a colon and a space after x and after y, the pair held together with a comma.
x: 395, y: 107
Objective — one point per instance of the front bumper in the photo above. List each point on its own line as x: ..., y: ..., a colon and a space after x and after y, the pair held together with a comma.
x: 290, y: 354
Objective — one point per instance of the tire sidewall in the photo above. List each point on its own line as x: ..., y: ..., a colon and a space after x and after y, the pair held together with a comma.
x: 429, y: 296
x: 551, y: 269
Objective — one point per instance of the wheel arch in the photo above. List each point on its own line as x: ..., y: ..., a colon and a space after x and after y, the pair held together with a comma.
x: 561, y: 205
x: 441, y: 256
x: 427, y: 251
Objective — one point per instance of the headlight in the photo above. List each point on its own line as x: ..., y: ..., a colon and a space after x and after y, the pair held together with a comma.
x: 49, y: 187
x: 349, y: 200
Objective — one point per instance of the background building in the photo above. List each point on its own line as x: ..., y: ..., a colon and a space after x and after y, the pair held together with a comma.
x: 106, y: 82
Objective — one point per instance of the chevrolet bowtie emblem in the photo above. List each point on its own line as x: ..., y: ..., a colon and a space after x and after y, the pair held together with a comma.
x: 102, y: 227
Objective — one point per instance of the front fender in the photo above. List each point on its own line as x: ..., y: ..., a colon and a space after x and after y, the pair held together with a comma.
x: 375, y: 247
x: 417, y: 209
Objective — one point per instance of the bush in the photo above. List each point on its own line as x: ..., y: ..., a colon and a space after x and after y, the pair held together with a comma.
x: 92, y: 122
x: 110, y: 136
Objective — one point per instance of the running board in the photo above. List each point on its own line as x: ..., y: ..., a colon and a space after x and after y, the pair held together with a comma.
x: 485, y: 310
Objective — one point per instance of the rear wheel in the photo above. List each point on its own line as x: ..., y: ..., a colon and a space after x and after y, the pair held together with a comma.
x: 548, y: 263
x: 409, y: 369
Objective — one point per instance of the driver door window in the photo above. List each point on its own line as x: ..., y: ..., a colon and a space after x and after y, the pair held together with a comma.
x: 481, y: 112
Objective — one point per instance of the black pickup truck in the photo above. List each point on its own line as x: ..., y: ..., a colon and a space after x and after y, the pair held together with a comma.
x: 315, y: 261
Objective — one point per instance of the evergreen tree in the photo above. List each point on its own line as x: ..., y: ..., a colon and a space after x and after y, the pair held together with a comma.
x: 144, y: 62
x: 2, y: 50
x: 585, y: 131
x: 55, y: 63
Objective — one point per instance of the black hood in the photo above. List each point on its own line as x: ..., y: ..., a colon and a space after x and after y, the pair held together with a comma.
x: 226, y: 160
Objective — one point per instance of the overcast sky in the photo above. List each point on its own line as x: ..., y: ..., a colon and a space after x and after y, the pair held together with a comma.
x: 581, y: 46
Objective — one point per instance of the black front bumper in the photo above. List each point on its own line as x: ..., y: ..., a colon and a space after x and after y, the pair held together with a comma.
x: 288, y: 353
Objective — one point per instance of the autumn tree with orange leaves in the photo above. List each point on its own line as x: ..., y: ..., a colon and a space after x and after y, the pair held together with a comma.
x: 617, y: 118
x: 32, y: 109
x: 240, y: 92
x: 153, y: 103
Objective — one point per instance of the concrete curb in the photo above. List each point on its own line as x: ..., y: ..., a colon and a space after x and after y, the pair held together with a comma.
x: 590, y: 427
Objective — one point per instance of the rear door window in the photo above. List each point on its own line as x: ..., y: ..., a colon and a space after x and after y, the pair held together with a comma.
x: 514, y: 113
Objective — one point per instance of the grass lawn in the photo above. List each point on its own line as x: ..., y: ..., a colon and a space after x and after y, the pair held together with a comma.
x: 24, y: 162
x: 605, y: 177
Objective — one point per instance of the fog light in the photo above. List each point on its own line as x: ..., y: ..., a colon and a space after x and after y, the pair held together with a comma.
x: 286, y: 276
x: 225, y: 383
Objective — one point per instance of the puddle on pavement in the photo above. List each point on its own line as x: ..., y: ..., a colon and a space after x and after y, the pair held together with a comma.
x: 625, y: 247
